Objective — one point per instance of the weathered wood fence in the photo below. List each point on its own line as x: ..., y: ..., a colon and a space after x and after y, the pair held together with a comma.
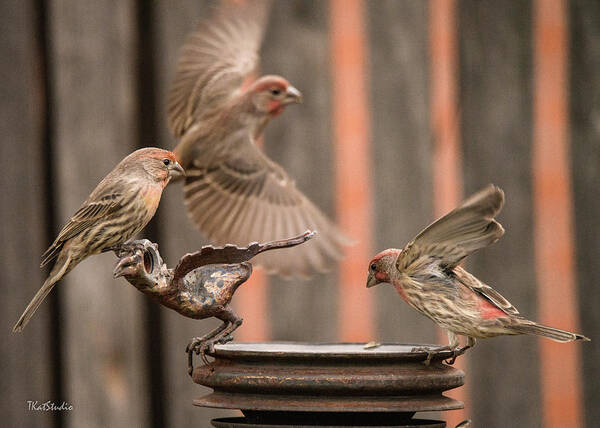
x: 84, y: 83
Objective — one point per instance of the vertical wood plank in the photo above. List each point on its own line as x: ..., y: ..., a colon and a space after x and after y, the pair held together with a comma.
x: 553, y: 224
x: 447, y: 161
x: 495, y: 102
x: 402, y: 149
x: 177, y: 234
x: 296, y: 47
x: 93, y: 57
x: 351, y: 130
x: 584, y: 80
x: 25, y: 372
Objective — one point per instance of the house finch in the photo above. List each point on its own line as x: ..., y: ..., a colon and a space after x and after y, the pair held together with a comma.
x: 118, y: 208
x: 427, y: 276
x: 233, y: 192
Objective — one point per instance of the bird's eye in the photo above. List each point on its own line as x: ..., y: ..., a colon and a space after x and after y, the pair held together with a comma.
x: 167, y: 162
x: 275, y: 92
x: 373, y: 267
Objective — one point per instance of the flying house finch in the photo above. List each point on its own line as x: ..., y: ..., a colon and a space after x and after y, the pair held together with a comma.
x: 427, y: 276
x: 118, y: 208
x: 233, y: 192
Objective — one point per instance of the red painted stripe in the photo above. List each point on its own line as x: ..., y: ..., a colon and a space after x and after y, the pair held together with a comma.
x: 447, y: 163
x: 352, y: 153
x: 553, y: 223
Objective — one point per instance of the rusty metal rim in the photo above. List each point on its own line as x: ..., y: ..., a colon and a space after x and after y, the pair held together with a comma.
x: 322, y: 351
x: 241, y: 422
x: 306, y: 403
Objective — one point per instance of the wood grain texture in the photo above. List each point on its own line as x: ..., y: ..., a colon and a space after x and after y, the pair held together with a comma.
x: 402, y: 149
x: 24, y: 372
x: 93, y: 58
x: 496, y: 120
x: 447, y: 154
x: 177, y: 234
x: 553, y: 217
x: 297, y: 48
x: 584, y: 109
x: 351, y: 123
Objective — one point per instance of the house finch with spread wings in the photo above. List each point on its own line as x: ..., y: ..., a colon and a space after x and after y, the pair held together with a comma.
x: 233, y: 192
x: 118, y: 208
x: 427, y: 275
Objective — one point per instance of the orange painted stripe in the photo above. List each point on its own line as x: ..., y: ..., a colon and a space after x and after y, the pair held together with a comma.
x: 553, y: 223
x: 250, y: 303
x: 352, y: 160
x: 447, y: 162
x: 251, y: 299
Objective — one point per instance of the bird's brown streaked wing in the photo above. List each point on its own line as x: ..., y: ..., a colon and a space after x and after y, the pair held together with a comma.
x: 214, y: 62
x: 485, y: 291
x: 459, y: 233
x: 88, y: 214
x: 243, y: 196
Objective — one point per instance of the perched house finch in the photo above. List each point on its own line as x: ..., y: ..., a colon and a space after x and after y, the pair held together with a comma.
x: 118, y: 208
x: 233, y: 192
x: 427, y: 276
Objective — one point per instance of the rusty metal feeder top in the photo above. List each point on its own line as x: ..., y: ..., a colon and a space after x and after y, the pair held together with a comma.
x: 288, y: 381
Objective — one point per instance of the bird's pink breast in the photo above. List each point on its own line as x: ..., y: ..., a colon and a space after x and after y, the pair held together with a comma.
x: 151, y: 195
x: 400, y: 291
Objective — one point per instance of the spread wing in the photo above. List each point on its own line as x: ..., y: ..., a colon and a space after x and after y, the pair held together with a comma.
x: 459, y: 233
x: 240, y: 195
x: 214, y: 62
x: 87, y: 215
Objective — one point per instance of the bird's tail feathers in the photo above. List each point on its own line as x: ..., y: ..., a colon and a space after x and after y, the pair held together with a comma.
x: 57, y: 273
x: 549, y: 332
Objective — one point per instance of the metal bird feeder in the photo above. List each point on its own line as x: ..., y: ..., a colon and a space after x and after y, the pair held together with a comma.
x: 287, y: 384
x: 315, y: 385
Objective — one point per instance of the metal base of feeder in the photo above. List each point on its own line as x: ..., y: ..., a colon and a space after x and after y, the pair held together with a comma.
x: 374, y: 423
x: 294, y: 384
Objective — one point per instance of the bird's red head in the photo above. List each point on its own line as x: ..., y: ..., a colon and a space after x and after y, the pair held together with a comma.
x: 381, y: 265
x: 160, y: 164
x: 270, y: 94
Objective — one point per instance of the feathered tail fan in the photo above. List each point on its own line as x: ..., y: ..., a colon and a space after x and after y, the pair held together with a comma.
x: 549, y: 332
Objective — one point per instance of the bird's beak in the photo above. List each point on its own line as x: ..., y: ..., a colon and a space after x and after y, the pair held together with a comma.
x: 176, y: 171
x: 372, y: 281
x: 293, y: 96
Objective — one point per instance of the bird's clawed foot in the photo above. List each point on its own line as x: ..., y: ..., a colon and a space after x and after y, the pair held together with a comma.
x: 202, y: 346
x: 455, y: 353
x: 431, y: 351
x: 131, y: 247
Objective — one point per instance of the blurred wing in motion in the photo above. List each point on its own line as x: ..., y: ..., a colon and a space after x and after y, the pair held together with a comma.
x: 242, y: 196
x: 459, y: 233
x: 214, y: 62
